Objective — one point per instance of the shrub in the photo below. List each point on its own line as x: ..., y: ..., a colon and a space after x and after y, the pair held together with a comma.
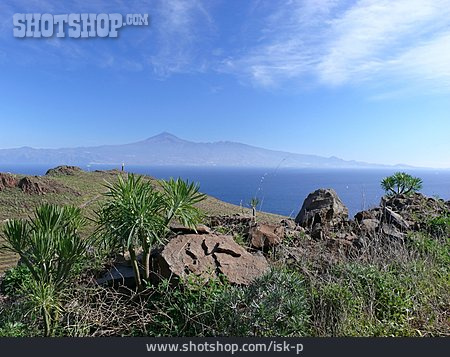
x: 192, y: 308
x: 401, y: 183
x: 439, y: 226
x: 274, y: 305
x: 361, y: 300
x: 50, y: 247
x: 14, y: 279
x: 136, y: 216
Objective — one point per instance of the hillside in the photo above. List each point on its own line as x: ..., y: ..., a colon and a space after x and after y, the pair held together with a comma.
x: 82, y: 189
x: 167, y: 149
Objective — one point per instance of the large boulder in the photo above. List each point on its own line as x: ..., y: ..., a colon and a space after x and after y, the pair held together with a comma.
x: 63, y: 171
x: 209, y: 256
x: 32, y: 185
x: 7, y: 181
x: 394, y: 218
x: 36, y: 185
x: 263, y: 236
x: 322, y: 207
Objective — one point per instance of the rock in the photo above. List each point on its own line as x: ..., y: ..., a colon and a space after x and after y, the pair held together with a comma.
x: 209, y: 256
x: 391, y: 217
x: 7, y: 181
x: 338, y: 244
x: 289, y: 224
x: 370, y: 214
x: 317, y: 232
x: 415, y: 207
x: 324, y: 207
x: 180, y: 229
x: 263, y: 236
x: 119, y: 274
x: 369, y: 225
x: 63, y: 171
x: 32, y: 186
x: 348, y: 236
x: 392, y: 232
x: 229, y: 221
x: 35, y: 185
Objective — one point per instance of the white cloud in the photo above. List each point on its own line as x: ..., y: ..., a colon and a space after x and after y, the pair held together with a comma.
x: 347, y: 43
x: 323, y: 42
x: 372, y: 34
x: 179, y: 25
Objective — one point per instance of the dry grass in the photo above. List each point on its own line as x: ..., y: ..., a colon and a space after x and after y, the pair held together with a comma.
x: 86, y: 189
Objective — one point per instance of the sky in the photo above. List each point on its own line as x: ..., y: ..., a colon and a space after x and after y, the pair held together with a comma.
x: 361, y: 80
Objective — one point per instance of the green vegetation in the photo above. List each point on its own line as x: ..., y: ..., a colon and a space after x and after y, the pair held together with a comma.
x: 136, y: 216
x: 395, y: 288
x: 254, y: 202
x: 401, y: 183
x: 274, y: 305
x: 51, y: 248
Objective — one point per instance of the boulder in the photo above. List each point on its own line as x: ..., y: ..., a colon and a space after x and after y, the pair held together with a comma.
x: 289, y: 224
x: 32, y: 185
x: 369, y: 226
x: 118, y: 274
x: 370, y: 214
x: 36, y: 185
x: 317, y: 232
x: 199, y: 229
x: 209, y: 256
x: 392, y: 232
x: 63, y: 171
x: 322, y: 207
x: 415, y: 207
x: 7, y: 181
x: 263, y: 236
x: 396, y: 219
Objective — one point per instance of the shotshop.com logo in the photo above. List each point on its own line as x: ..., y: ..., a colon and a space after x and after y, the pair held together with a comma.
x: 74, y: 25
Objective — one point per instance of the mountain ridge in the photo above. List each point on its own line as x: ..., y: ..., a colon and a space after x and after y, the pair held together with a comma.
x: 168, y: 149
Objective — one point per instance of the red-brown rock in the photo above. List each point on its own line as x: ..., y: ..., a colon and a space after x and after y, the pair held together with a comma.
x: 264, y: 236
x: 7, y: 181
x: 209, y: 256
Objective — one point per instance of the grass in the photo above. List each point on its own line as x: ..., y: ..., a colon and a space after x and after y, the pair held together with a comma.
x: 395, y: 288
x: 85, y: 190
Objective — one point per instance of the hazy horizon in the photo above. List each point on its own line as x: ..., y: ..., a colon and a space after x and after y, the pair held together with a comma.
x: 359, y: 80
x: 171, y: 150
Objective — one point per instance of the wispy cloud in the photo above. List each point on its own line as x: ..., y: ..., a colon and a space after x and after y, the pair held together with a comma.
x: 372, y: 36
x: 303, y: 42
x: 169, y: 45
x: 351, y: 42
x: 181, y: 29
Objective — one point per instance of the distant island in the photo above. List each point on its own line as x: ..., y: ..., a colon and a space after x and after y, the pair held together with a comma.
x: 167, y: 149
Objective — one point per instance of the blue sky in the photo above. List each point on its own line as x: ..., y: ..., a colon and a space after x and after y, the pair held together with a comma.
x: 364, y: 80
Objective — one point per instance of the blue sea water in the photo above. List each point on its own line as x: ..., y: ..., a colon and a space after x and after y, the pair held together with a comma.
x: 280, y: 191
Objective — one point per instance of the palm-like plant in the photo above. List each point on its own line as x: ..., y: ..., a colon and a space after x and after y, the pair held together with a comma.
x: 254, y: 202
x: 136, y: 216
x: 180, y: 198
x: 401, y: 183
x: 51, y: 248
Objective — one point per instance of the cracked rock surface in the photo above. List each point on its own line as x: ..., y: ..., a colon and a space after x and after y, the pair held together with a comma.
x: 210, y: 255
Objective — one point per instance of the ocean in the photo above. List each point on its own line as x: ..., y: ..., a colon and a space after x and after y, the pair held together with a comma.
x: 281, y: 190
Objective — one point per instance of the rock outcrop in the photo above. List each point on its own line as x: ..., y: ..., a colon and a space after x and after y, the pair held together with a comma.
x: 63, y: 171
x: 209, y: 256
x: 7, y: 181
x: 264, y: 236
x: 322, y: 209
x: 35, y: 185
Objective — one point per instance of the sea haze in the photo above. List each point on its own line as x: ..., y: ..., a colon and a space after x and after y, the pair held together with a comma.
x: 281, y: 190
